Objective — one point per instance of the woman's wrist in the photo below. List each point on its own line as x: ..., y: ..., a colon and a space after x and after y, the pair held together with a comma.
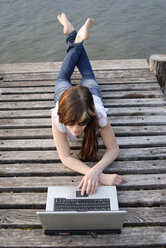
x: 97, y: 170
x: 101, y: 178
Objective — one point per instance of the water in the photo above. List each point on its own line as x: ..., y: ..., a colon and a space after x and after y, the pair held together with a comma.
x: 123, y: 29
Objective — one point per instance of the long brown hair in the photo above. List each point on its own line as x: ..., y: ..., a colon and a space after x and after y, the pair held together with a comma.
x: 73, y: 103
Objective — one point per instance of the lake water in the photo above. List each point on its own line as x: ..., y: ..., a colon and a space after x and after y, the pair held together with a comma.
x: 123, y: 29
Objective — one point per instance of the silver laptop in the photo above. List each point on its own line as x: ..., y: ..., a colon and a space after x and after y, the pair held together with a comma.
x: 68, y: 212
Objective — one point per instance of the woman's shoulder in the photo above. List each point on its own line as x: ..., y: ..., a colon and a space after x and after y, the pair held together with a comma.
x: 60, y: 126
x: 101, y: 111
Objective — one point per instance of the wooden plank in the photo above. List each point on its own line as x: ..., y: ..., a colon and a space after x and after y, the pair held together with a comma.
x: 153, y: 181
x: 50, y: 88
x: 27, y: 218
x: 114, y: 84
x: 36, y: 238
x: 134, y: 102
x: 102, y: 74
x: 114, y: 81
x: 141, y: 141
x: 26, y: 200
x: 30, y: 163
x: 25, y: 123
x: 58, y: 169
x: 114, y: 120
x: 139, y: 130
x: 27, y: 97
x: 46, y: 133
x: 29, y: 67
x: 137, y: 120
x: 52, y: 66
x: 21, y: 105
x: 137, y: 111
x: 111, y: 95
x: 126, y: 198
x: 41, y: 144
x: 134, y: 111
x: 48, y: 104
x: 52, y: 156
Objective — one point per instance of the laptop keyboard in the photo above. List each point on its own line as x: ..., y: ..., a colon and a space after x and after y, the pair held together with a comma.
x: 81, y: 205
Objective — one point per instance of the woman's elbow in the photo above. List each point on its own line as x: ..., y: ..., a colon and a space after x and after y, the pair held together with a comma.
x: 65, y: 160
x: 116, y: 150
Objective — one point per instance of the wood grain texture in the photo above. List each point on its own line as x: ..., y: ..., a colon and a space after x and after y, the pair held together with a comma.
x: 109, y: 103
x: 114, y: 121
x: 52, y: 156
x: 46, y: 133
x: 133, y: 111
x: 23, y: 218
x: 29, y: 162
x: 57, y: 169
x: 54, y: 66
x: 126, y: 198
x: 152, y: 181
x: 139, y: 236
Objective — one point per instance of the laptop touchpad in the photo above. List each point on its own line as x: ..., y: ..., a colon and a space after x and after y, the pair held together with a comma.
x: 78, y: 194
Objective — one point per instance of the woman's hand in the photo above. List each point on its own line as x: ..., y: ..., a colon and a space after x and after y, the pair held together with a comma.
x: 112, y: 179
x: 89, y: 182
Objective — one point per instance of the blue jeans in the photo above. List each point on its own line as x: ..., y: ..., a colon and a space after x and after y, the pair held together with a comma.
x: 76, y: 56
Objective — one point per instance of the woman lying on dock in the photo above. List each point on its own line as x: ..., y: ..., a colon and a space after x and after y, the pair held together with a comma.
x: 79, y: 114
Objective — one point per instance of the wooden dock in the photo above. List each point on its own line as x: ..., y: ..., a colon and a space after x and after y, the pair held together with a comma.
x: 30, y: 163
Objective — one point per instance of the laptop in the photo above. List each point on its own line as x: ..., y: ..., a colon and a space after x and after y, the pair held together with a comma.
x: 67, y: 212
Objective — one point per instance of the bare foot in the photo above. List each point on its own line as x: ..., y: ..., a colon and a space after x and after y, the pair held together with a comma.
x: 83, y: 31
x: 67, y: 26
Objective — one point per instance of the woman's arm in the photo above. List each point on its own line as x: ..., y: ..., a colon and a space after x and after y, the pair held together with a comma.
x: 110, y: 142
x: 109, y: 156
x: 89, y: 182
x: 63, y: 149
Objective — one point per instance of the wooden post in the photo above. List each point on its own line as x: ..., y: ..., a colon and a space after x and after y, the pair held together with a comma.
x: 157, y: 64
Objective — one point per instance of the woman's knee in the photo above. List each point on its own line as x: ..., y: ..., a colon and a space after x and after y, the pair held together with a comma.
x: 89, y: 81
x: 60, y: 87
x: 93, y: 86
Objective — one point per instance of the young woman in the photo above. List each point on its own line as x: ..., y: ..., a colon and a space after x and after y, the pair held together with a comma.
x: 79, y: 114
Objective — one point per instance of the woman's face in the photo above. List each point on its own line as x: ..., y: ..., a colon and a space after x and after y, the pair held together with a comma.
x: 76, y: 130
